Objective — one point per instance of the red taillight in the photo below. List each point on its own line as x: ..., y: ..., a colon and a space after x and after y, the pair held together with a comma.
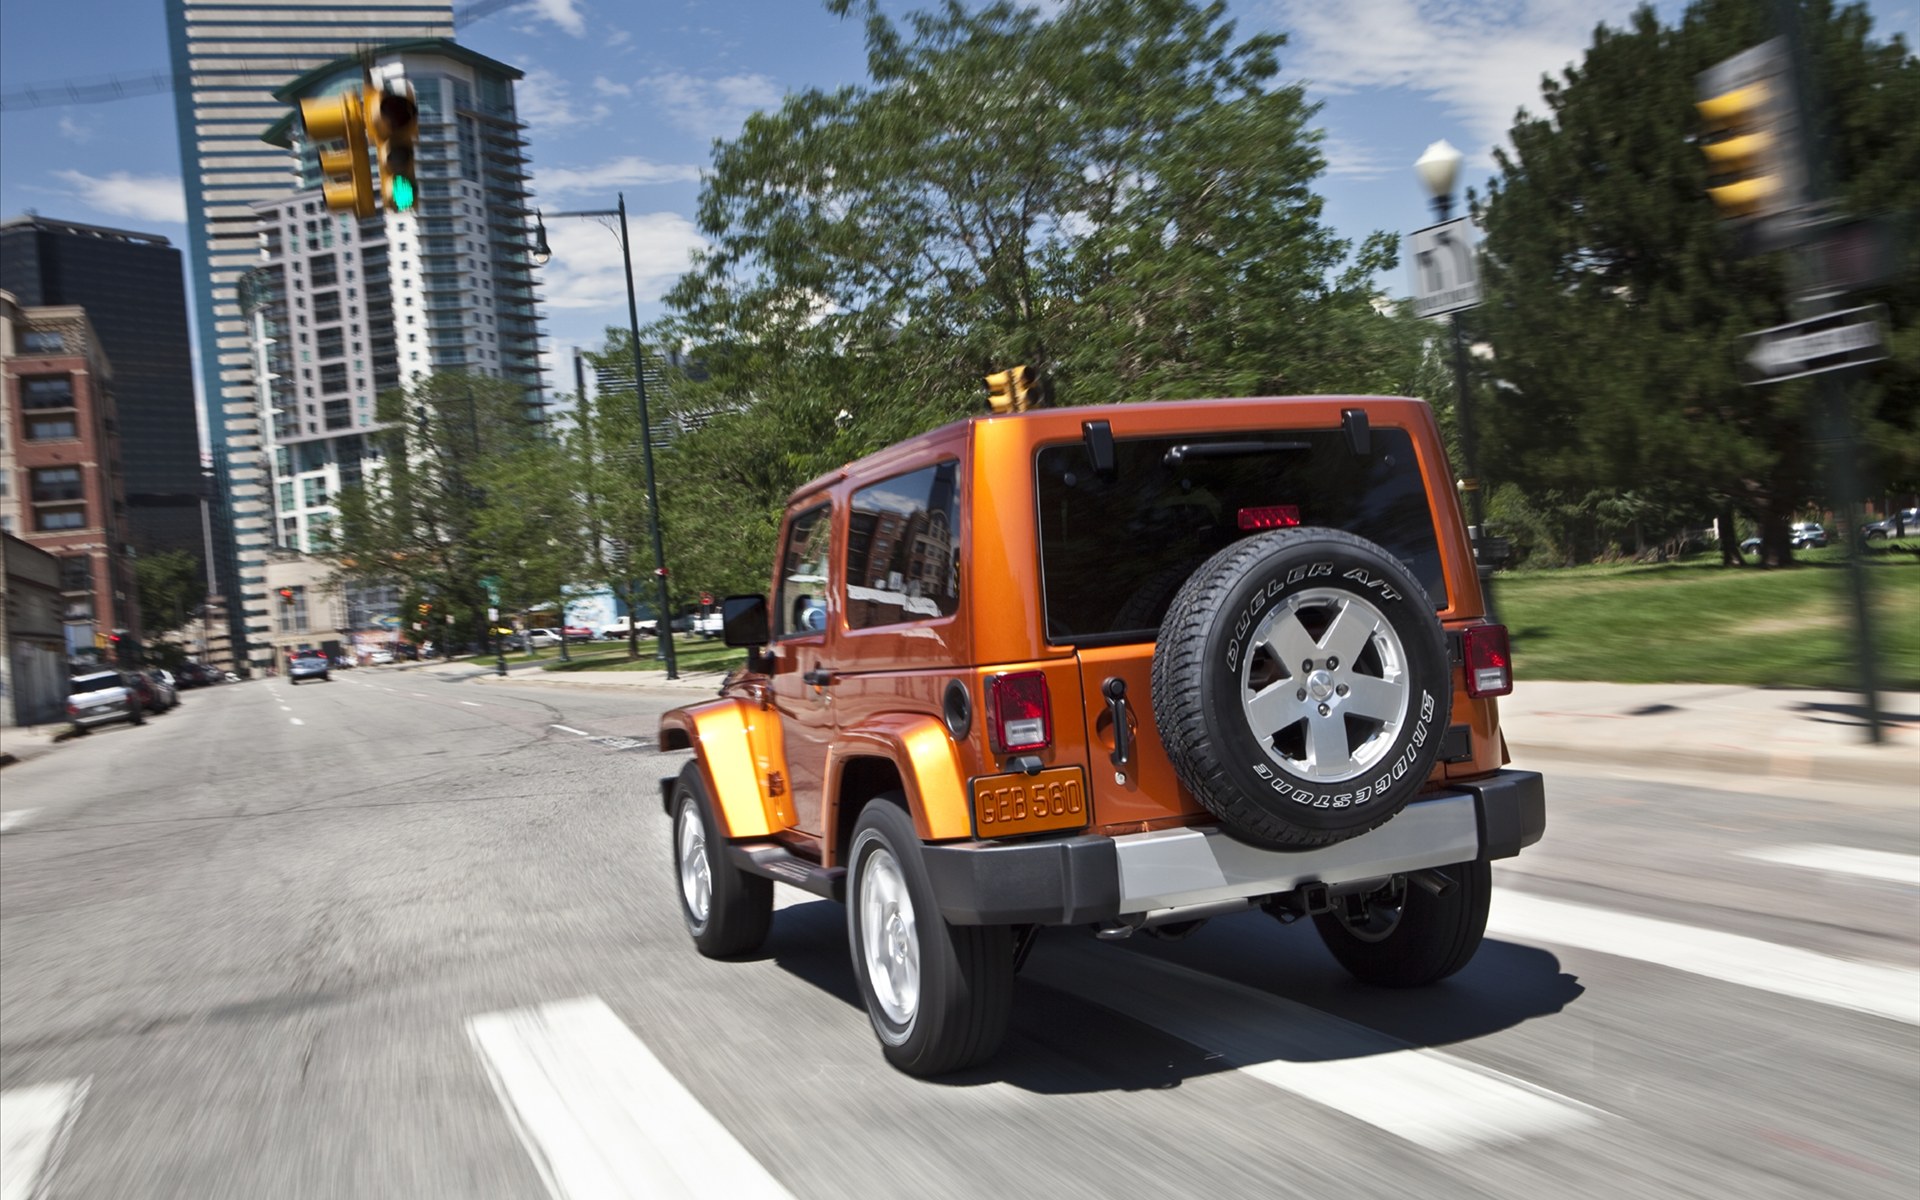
x: 1489, y: 663
x: 1018, y: 712
x: 1272, y: 516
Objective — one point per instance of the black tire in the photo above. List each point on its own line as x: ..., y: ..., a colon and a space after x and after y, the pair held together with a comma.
x: 1410, y: 937
x: 738, y: 906
x: 962, y: 974
x: 1376, y: 718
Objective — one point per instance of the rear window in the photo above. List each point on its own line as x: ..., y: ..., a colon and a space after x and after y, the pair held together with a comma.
x: 1114, y: 551
x: 94, y: 683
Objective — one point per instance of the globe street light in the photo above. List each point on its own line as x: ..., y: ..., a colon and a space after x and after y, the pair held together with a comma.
x: 1439, y: 169
x: 541, y: 255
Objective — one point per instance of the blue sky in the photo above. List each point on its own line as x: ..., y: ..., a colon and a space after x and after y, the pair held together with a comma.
x: 629, y: 96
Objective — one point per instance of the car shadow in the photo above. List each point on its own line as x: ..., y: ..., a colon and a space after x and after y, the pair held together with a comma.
x: 1063, y: 1039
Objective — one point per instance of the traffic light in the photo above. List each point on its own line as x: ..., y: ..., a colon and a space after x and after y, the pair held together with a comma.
x: 347, y: 179
x: 393, y: 125
x: 425, y: 609
x: 1751, y: 139
x: 286, y: 595
x: 1014, y: 390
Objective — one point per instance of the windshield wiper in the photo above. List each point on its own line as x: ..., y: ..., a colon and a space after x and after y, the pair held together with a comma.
x: 1181, y: 453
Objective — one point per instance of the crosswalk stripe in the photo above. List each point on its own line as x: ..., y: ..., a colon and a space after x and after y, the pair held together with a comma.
x: 1844, y: 860
x: 1429, y: 1098
x: 601, y: 1116
x: 33, y: 1126
x: 1884, y: 991
x: 15, y: 818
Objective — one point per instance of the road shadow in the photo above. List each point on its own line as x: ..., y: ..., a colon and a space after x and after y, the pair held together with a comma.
x: 1064, y: 1040
x: 1849, y: 714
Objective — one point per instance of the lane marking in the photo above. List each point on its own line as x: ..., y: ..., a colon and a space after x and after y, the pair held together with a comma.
x: 1844, y: 860
x: 296, y: 720
x: 471, y: 703
x: 601, y: 1116
x: 422, y: 695
x: 570, y: 729
x: 16, y: 818
x: 286, y: 708
x: 34, y: 1123
x: 1883, y: 991
x: 1427, y: 1097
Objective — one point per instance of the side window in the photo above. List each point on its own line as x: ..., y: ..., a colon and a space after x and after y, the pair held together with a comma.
x: 902, y: 544
x: 801, y: 606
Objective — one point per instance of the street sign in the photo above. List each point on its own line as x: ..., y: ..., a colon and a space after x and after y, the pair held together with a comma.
x: 1829, y: 342
x: 1445, y: 278
x: 492, y: 585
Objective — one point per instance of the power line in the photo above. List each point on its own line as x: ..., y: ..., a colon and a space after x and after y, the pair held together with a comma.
x: 149, y: 83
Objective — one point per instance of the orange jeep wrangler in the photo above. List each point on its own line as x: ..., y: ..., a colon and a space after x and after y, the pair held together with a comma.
x: 1123, y: 667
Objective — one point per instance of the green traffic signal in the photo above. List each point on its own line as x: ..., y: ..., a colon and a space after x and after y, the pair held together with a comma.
x: 401, y: 190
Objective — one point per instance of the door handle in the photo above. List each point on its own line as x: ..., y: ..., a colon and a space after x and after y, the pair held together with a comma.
x: 1115, y: 690
x: 819, y: 677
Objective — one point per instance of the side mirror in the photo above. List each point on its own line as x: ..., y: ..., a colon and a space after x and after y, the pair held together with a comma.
x: 743, y: 620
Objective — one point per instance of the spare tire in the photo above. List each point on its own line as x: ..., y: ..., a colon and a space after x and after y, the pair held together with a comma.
x: 1300, y: 686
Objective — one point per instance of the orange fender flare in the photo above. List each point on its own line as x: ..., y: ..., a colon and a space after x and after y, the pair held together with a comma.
x: 930, y: 772
x: 737, y: 746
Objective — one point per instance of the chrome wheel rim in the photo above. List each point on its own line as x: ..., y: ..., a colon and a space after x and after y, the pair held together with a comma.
x: 889, y: 937
x: 696, y: 877
x: 1325, y: 688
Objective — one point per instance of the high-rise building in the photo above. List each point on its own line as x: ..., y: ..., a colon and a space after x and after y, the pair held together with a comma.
x: 232, y: 57
x: 341, y: 309
x: 130, y: 285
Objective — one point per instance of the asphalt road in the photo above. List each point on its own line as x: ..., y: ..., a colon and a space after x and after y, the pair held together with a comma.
x: 402, y: 935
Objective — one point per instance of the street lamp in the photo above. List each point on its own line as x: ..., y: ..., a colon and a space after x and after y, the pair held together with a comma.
x: 1438, y: 170
x: 541, y: 255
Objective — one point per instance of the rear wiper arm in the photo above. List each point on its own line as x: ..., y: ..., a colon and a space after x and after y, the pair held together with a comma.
x: 1180, y: 454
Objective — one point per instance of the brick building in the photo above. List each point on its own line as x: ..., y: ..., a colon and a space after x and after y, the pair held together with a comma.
x: 61, y: 486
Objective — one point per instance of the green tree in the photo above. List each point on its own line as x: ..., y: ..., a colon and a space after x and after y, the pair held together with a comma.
x: 1617, y: 299
x: 171, y: 588
x: 459, y: 456
x: 1118, y: 193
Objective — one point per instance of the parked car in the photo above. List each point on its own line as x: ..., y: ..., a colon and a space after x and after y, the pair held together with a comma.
x: 1806, y: 535
x: 156, y: 690
x: 1750, y: 546
x: 1907, y: 524
x: 708, y: 625
x: 619, y: 629
x: 380, y: 657
x: 102, y: 697
x: 309, y: 664
x: 543, y: 639
x: 579, y: 633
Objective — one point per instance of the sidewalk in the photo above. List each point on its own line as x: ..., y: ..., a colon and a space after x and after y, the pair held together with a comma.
x: 24, y: 743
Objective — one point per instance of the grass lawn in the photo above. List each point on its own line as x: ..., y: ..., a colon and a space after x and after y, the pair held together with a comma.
x: 1701, y: 622
x: 690, y: 654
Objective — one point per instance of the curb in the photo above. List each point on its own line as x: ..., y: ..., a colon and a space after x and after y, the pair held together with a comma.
x: 700, y: 685
x: 1894, y: 766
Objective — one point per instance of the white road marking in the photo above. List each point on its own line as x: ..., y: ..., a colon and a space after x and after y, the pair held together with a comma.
x: 422, y: 695
x: 599, y: 1114
x: 1844, y: 860
x: 570, y: 729
x: 286, y: 708
x: 16, y: 818
x: 296, y: 720
x: 471, y: 703
x: 1884, y: 991
x: 1429, y: 1098
x: 34, y: 1122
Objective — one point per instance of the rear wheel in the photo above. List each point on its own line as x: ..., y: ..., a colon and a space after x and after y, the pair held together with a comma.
x: 938, y: 994
x: 1407, y: 934
x: 727, y: 911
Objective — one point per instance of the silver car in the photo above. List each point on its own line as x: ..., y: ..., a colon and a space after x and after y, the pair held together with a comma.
x: 309, y: 664
x: 101, y: 698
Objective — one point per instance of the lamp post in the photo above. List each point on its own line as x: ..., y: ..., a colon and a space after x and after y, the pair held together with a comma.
x: 1438, y: 170
x: 542, y: 253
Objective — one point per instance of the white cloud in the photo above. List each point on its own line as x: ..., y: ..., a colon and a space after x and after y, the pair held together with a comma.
x: 607, y: 87
x: 146, y: 197
x: 586, y: 273
x: 562, y: 13
x: 630, y: 171
x: 1481, y: 62
x: 717, y: 107
x: 544, y: 102
x: 78, y: 131
x: 1351, y: 160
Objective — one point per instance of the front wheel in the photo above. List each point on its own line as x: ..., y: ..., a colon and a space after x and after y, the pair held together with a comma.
x: 938, y: 995
x: 1406, y: 934
x: 727, y: 911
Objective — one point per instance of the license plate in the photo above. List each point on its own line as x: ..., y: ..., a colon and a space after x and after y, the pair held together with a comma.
x: 1010, y: 805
